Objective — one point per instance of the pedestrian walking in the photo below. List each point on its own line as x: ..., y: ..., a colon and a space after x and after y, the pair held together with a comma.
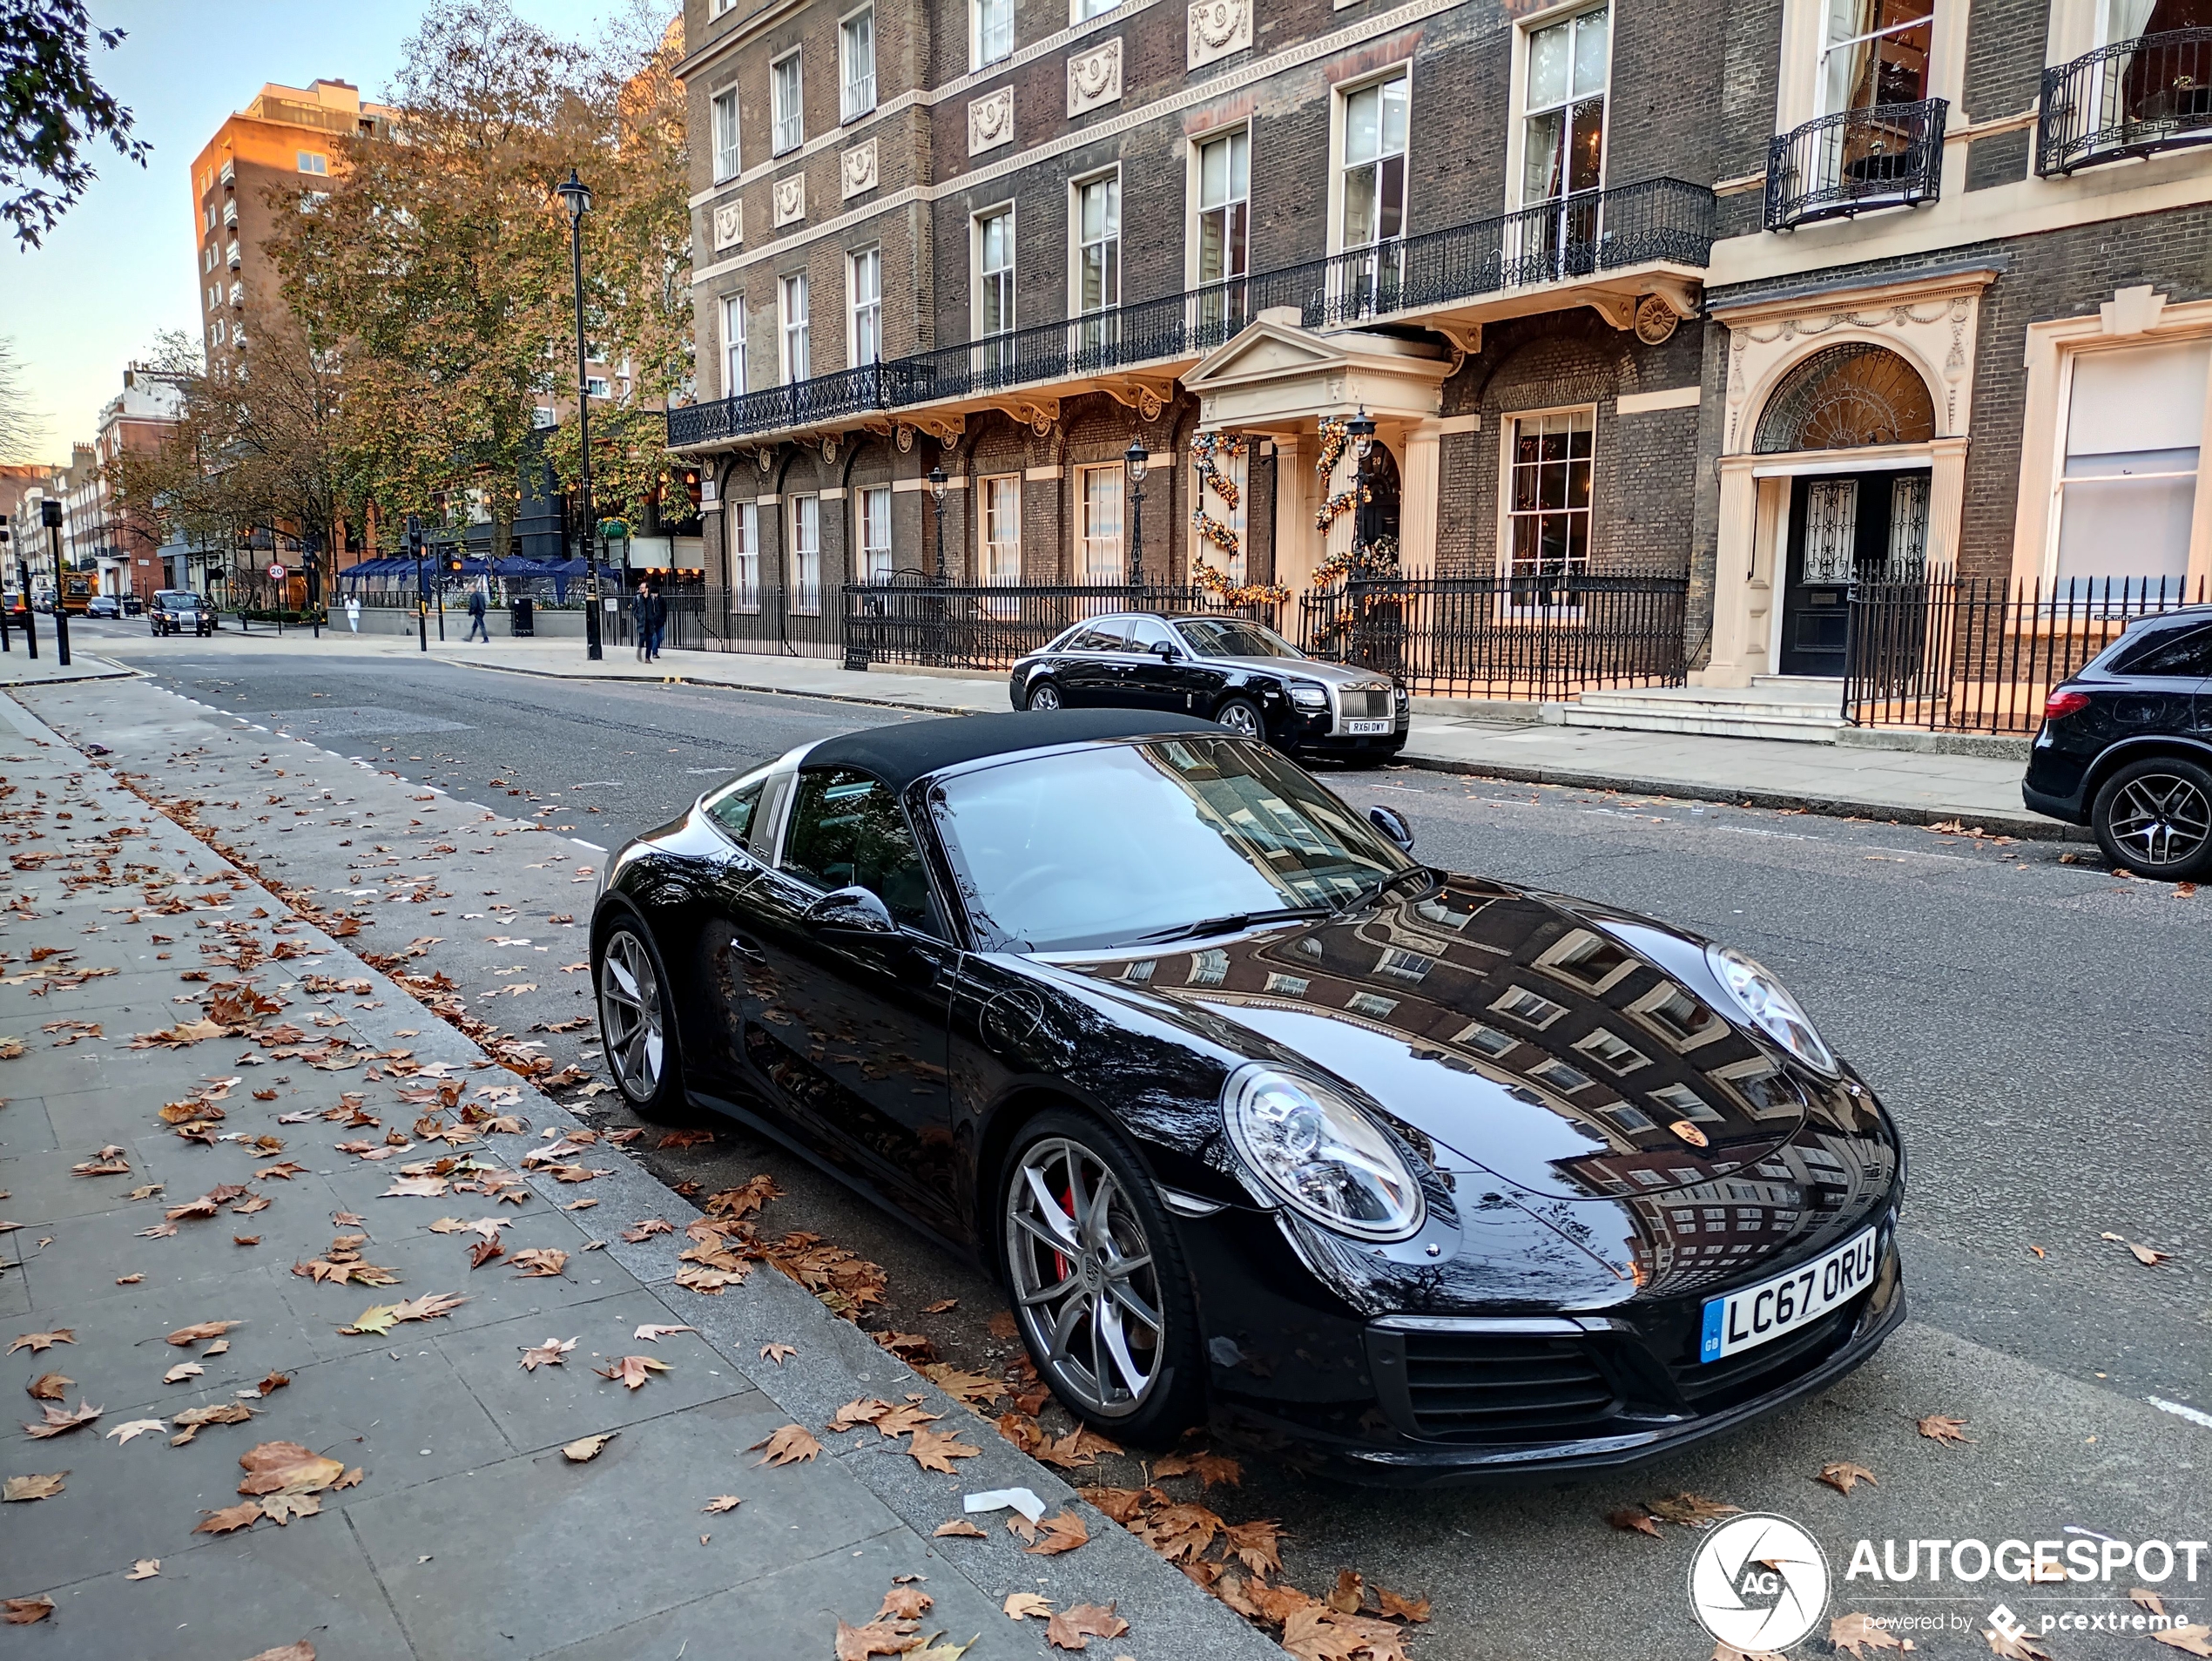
x: 656, y: 620
x: 353, y: 613
x: 640, y: 609
x: 476, y: 615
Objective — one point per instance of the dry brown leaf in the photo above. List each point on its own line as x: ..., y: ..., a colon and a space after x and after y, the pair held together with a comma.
x: 787, y: 1446
x: 182, y: 1371
x: 934, y: 1450
x: 722, y: 1503
x: 2194, y: 1638
x: 863, y: 1410
x: 1634, y: 1519
x: 877, y: 1638
x: 1061, y: 1533
x: 549, y: 1353
x: 1024, y: 1433
x: 909, y: 1415
x: 1258, y: 1545
x: 584, y: 1448
x: 777, y: 1352
x: 958, y: 1528
x: 1122, y: 1505
x: 1857, y: 1633
x: 244, y: 1515
x: 540, y: 1262
x: 274, y: 1382
x: 1069, y: 1629
x: 57, y: 1421
x: 286, y: 1467
x: 1842, y: 1476
x: 646, y: 1229
x: 22, y: 1611
x: 32, y: 1488
x: 1019, y: 1605
x: 1936, y: 1428
x: 185, y: 1336
x: 37, y: 1341
x: 484, y: 1251
x: 2143, y: 1597
x: 381, y: 1318
x: 631, y: 1371
x: 1405, y: 1609
x: 144, y: 1568
x: 1002, y: 1325
x: 905, y: 1603
x: 2015, y: 1645
x: 652, y: 1335
x: 48, y: 1387
x: 298, y: 1650
x: 1692, y: 1510
x: 971, y: 1387
x: 940, y: 1306
x: 124, y: 1433
x: 1350, y: 1591
x: 190, y: 1421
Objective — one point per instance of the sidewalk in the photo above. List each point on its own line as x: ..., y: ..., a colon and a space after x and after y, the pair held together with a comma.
x: 430, y: 1500
x: 1911, y: 785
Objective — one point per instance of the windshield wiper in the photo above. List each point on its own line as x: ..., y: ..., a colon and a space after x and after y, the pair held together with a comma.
x: 1232, y: 923
x: 1374, y: 891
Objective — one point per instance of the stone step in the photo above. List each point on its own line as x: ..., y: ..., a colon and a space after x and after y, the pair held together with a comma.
x: 1753, y: 713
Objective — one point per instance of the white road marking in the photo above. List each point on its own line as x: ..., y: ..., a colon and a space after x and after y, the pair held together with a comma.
x: 2195, y: 1415
x: 594, y: 846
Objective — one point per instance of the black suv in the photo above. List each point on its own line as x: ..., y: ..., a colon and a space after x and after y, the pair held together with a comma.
x: 178, y: 610
x: 2126, y: 747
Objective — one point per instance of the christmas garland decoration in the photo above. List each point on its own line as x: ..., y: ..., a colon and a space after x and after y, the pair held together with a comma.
x: 1205, y: 448
x: 1336, y: 433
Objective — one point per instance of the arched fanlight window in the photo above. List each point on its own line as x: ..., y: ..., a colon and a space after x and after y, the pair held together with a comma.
x: 1847, y: 397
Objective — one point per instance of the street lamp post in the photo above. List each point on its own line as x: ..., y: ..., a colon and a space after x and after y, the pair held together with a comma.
x: 51, y: 512
x: 4, y: 534
x: 577, y: 196
x: 937, y: 483
x: 1138, y: 460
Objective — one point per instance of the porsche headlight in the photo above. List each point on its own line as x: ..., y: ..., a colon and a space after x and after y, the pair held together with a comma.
x: 1325, y: 1157
x: 1769, y: 1007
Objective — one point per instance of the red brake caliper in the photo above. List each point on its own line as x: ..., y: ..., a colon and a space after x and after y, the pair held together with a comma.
x: 1061, y: 1266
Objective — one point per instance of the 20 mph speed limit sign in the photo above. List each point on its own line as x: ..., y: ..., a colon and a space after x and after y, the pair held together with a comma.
x: 276, y: 573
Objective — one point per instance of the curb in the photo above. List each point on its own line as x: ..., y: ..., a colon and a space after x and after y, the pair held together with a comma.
x: 726, y: 685
x: 2025, y: 827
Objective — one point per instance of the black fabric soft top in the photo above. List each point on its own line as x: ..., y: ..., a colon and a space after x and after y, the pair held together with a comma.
x: 898, y: 754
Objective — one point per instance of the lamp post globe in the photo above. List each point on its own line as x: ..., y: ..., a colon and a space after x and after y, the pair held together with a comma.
x: 937, y: 483
x: 1361, y: 431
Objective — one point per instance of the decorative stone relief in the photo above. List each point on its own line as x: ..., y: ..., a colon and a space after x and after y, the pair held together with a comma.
x: 1095, y: 76
x: 1655, y: 321
x: 2131, y: 311
x: 789, y: 201
x: 1216, y: 29
x: 729, y: 224
x: 856, y: 171
x: 990, y: 121
x: 1932, y: 332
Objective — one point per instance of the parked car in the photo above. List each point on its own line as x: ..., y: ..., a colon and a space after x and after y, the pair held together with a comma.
x: 1421, y: 1176
x: 103, y: 606
x: 2126, y: 748
x: 178, y: 610
x: 1241, y: 674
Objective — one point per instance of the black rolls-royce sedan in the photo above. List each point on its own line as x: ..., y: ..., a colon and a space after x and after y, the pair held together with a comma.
x: 1238, y: 673
x: 1413, y: 1176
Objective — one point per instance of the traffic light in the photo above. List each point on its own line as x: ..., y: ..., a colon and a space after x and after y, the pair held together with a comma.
x: 453, y: 562
x: 414, y: 536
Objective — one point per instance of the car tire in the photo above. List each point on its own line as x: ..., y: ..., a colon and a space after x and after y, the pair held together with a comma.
x: 1241, y: 717
x: 1043, y: 695
x: 2154, y: 817
x: 1140, y: 1382
x: 636, y: 1024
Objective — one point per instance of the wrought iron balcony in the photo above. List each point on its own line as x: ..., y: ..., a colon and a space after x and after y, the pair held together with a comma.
x: 1580, y: 236
x: 1890, y: 155
x: 2132, y: 98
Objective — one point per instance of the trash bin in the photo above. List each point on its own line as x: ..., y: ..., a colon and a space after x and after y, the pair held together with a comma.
x: 520, y: 621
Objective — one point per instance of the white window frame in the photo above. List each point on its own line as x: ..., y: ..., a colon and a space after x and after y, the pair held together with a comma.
x: 975, y: 225
x: 1195, y: 195
x: 1104, y: 550
x: 2070, y: 355
x: 1110, y: 244
x: 787, y: 113
x: 1820, y: 100
x: 1517, y: 114
x: 1509, y: 428
x: 805, y: 521
x: 871, y: 521
x: 1339, y: 105
x: 999, y: 556
x: 736, y: 361
x: 742, y: 521
x: 314, y: 161
x: 723, y: 122
x: 794, y: 331
x: 1084, y: 11
x: 597, y: 386
x: 980, y: 44
x: 863, y: 307
x: 855, y: 92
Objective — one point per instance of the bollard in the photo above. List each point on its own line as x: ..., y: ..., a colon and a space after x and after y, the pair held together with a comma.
x: 61, y: 636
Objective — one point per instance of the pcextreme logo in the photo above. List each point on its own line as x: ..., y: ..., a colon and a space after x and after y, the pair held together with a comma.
x: 1759, y: 1582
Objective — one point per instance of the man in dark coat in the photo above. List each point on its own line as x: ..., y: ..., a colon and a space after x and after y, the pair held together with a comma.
x: 655, y: 621
x: 476, y: 615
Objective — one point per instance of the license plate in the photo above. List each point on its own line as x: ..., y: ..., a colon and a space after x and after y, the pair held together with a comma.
x: 1758, y: 1315
x: 1360, y: 729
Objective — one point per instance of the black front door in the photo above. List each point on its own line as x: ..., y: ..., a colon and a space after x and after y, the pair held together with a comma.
x: 849, y: 1034
x: 1845, y: 529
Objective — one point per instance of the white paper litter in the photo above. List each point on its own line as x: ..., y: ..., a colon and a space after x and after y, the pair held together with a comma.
x: 999, y: 1499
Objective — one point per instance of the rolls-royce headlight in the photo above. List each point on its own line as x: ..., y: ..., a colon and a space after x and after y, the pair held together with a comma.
x: 1767, y: 1004
x: 1307, y: 695
x: 1321, y: 1154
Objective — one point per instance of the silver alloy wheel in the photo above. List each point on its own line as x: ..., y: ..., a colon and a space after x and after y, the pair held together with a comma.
x: 1044, y: 697
x: 2161, y: 818
x: 630, y: 1015
x: 1239, y: 720
x: 1084, y: 1282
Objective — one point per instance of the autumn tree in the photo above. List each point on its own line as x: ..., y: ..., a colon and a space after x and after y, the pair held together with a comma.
x: 53, y: 113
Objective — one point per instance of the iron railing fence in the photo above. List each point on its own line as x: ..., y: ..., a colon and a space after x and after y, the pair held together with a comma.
x: 915, y: 619
x: 2130, y: 99
x: 1981, y: 654
x: 1539, y: 638
x: 1888, y: 155
x: 1577, y: 235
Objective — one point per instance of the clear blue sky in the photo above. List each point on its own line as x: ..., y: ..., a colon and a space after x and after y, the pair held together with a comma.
x: 120, y: 268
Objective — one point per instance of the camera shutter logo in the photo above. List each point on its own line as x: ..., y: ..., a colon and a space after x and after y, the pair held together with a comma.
x: 1759, y: 1582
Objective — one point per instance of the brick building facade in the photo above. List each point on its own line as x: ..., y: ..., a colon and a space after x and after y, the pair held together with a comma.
x: 1779, y: 294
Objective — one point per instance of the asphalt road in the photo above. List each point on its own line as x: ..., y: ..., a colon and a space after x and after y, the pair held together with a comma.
x: 2040, y: 1028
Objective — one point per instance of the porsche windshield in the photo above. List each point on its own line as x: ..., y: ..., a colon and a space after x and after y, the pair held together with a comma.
x: 1110, y: 845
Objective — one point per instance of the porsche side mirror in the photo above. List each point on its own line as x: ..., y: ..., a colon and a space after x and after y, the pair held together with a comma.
x: 1390, y: 823
x: 850, y: 912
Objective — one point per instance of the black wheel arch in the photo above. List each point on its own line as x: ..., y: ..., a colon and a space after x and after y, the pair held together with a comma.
x: 2128, y: 752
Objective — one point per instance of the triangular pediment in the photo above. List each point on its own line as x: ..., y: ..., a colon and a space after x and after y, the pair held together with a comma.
x: 1261, y: 350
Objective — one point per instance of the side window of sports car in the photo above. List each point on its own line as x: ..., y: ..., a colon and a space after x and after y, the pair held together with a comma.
x: 735, y: 808
x: 847, y: 831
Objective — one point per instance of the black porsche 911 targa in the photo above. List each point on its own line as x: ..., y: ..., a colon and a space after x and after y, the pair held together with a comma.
x: 1404, y: 1174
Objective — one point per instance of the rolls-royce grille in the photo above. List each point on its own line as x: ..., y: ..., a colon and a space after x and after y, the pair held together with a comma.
x: 1486, y: 1386
x: 1364, y: 703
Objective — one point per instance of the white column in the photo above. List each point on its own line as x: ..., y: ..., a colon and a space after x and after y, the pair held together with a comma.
x: 1417, y: 501
x: 1946, y: 500
x: 1297, y: 547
